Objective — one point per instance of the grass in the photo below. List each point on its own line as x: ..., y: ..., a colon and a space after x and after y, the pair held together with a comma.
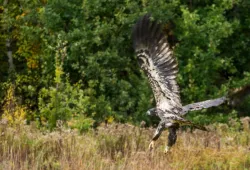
x: 122, y: 146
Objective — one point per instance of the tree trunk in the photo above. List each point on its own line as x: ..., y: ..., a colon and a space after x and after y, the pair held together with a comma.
x: 10, y: 56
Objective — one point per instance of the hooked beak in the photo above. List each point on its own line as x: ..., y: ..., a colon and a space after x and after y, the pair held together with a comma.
x: 148, y: 113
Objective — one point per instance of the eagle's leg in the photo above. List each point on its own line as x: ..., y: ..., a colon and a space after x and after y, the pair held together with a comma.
x: 157, y: 134
x: 171, y: 138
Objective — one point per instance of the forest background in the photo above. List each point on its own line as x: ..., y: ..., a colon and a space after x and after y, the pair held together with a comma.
x: 72, y: 62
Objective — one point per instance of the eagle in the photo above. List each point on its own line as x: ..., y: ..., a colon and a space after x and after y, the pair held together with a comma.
x: 157, y: 61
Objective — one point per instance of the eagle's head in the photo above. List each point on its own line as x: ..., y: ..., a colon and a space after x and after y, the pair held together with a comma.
x: 152, y: 112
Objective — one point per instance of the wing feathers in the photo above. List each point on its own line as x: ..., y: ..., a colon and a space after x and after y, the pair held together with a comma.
x: 156, y: 59
x: 203, y: 104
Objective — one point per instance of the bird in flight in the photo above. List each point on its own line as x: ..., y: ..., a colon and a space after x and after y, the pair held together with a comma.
x: 156, y: 59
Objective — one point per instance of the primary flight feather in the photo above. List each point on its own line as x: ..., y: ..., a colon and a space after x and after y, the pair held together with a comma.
x: 158, y: 62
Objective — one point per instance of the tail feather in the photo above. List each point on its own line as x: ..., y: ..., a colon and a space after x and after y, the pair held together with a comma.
x: 189, y: 123
x: 200, y: 127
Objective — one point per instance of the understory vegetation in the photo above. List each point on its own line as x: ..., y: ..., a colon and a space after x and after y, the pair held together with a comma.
x: 73, y: 61
x: 124, y: 146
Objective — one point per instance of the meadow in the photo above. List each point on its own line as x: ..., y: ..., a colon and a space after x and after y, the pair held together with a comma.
x: 123, y: 146
x: 74, y: 62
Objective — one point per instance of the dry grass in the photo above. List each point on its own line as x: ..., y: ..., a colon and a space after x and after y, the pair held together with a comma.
x: 122, y: 146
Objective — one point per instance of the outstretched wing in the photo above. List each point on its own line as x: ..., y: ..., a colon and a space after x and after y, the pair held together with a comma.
x: 157, y: 61
x: 203, y: 105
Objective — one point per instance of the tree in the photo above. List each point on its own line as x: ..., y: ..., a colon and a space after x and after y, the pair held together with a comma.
x: 209, y: 38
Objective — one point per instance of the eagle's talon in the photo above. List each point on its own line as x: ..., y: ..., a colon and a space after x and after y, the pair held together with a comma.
x: 167, y: 149
x: 151, y: 145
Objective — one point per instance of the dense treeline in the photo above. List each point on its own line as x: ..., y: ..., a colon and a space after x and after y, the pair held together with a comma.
x: 73, y: 60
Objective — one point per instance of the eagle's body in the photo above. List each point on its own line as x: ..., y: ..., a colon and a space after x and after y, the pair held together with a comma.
x: 156, y: 59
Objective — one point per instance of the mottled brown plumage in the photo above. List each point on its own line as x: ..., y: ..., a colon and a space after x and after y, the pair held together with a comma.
x: 157, y: 60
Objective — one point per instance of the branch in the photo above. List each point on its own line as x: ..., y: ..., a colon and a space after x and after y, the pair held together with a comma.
x: 10, y: 57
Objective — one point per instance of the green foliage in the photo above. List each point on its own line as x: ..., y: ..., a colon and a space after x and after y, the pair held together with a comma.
x: 200, y: 55
x: 57, y: 44
x: 61, y: 103
x: 13, y: 112
x: 202, y: 118
x: 81, y: 123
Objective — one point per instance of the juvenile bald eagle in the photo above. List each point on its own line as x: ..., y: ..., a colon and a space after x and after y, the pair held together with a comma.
x: 156, y: 59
